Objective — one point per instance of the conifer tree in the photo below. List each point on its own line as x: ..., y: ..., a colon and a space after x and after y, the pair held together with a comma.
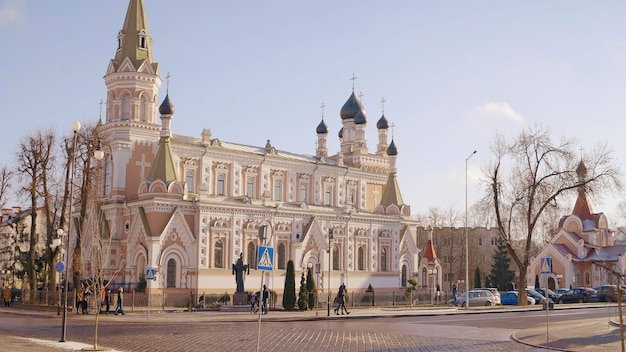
x: 289, y: 296
x: 501, y: 275
x: 302, y: 295
x: 311, y: 288
x: 477, y: 282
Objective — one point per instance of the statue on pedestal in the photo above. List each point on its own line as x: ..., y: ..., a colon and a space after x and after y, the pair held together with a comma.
x: 239, y: 270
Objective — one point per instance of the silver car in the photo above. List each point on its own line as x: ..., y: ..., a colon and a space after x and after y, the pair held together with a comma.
x: 477, y: 298
x: 493, y: 290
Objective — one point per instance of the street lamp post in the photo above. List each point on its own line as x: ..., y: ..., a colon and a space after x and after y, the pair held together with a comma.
x: 467, y: 236
x: 56, y: 242
x: 330, y: 237
x: 75, y: 127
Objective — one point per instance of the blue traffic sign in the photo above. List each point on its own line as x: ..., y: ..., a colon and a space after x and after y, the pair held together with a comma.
x: 150, y: 274
x: 266, y: 258
x: 59, y: 267
x: 546, y: 265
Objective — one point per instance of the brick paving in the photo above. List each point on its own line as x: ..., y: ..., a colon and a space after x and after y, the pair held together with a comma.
x: 281, y: 331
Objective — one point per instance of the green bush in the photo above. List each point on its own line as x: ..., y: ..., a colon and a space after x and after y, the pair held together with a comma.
x: 289, y: 296
x: 302, y: 295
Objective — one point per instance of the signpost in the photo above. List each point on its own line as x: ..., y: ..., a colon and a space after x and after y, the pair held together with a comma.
x: 546, y: 270
x: 265, y: 263
x: 150, y: 275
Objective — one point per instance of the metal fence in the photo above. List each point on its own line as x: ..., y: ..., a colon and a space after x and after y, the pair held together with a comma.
x: 165, y: 301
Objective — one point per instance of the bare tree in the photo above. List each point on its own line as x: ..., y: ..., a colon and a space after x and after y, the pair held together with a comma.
x: 529, y: 175
x: 33, y: 161
x: 5, y: 184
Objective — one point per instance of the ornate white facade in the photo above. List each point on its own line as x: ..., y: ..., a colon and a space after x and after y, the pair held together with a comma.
x: 189, y: 206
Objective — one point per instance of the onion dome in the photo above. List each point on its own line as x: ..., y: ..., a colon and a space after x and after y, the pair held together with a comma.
x: 382, y: 123
x: 351, y: 108
x: 392, y: 150
x: 321, y: 128
x: 166, y: 108
x: 360, y: 118
x: 341, y: 133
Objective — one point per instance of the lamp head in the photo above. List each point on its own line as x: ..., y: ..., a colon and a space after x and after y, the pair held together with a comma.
x: 99, y: 154
x: 75, y: 126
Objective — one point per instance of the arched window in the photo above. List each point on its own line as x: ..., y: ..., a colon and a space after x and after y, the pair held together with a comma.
x: 107, y: 177
x: 423, y: 278
x: 278, y: 190
x: 189, y: 180
x: 336, y: 258
x: 171, y: 273
x: 281, y: 256
x: 361, y: 258
x: 220, y: 185
x: 327, y: 197
x: 404, y: 275
x: 126, y: 107
x: 578, y: 282
x: 587, y: 279
x: 250, y: 188
x: 144, y: 107
x: 219, y: 254
x: 351, y: 197
x: 252, y: 253
x: 383, y: 259
x: 303, y: 192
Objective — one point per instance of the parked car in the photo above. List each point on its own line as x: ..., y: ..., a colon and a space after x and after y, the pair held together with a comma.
x: 539, y: 298
x: 560, y: 291
x: 608, y: 293
x: 551, y: 294
x: 477, y: 298
x: 493, y: 290
x: 580, y: 295
x: 509, y: 298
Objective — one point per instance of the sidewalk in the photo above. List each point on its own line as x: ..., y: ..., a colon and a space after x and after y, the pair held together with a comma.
x: 581, y: 335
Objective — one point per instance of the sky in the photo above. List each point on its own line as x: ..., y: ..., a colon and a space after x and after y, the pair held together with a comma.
x: 452, y: 74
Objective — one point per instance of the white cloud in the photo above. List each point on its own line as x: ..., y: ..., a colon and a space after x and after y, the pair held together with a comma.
x: 11, y: 11
x: 498, y: 110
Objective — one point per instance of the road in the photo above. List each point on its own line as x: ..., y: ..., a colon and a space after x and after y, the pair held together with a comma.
x: 208, y: 331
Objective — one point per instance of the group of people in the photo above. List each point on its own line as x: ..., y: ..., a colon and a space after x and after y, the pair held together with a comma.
x: 82, y: 301
x: 254, y: 301
x: 340, y: 301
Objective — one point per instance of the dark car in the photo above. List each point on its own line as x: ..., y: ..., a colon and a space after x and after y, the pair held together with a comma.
x: 539, y: 298
x: 551, y: 294
x: 579, y: 295
x: 608, y: 293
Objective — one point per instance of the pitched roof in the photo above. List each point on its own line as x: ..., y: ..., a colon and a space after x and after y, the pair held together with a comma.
x: 391, y: 193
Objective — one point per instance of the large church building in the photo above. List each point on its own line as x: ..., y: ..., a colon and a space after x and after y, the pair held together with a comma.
x: 189, y: 206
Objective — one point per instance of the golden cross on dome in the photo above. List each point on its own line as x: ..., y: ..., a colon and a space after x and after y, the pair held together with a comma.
x: 393, y: 125
x: 353, y: 78
x: 101, y: 103
x: 167, y: 78
x: 382, y: 102
x: 323, y: 106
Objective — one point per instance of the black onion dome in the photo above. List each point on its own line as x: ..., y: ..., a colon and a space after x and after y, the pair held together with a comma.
x: 392, y: 150
x: 166, y: 108
x: 360, y: 118
x: 322, y: 128
x: 341, y: 133
x: 351, y: 107
x: 382, y: 123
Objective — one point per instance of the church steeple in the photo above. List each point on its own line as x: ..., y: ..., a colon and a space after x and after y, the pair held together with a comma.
x: 134, y: 41
x: 164, y: 168
x: 582, y: 209
x: 132, y: 77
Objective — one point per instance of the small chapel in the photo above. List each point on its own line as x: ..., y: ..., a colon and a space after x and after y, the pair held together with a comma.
x: 190, y: 206
x: 584, y: 252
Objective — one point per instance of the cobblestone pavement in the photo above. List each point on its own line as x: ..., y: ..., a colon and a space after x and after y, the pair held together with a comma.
x: 366, y: 330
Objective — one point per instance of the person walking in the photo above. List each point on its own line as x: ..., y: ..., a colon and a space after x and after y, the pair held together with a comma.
x: 106, y: 300
x: 454, y: 295
x: 85, y: 301
x: 7, y: 297
x: 80, y: 291
x: 341, y: 300
x: 119, y: 309
x: 266, y: 295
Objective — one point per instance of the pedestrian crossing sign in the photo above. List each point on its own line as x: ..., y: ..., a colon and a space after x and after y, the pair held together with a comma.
x: 150, y: 274
x: 546, y: 265
x: 266, y: 258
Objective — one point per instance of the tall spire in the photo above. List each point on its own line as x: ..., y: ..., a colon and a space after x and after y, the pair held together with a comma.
x: 582, y: 209
x: 134, y: 41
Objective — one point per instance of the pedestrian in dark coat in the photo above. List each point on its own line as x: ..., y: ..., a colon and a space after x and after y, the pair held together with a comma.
x: 119, y: 309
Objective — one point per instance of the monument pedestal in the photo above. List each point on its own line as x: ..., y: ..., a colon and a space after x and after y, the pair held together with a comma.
x: 240, y: 299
